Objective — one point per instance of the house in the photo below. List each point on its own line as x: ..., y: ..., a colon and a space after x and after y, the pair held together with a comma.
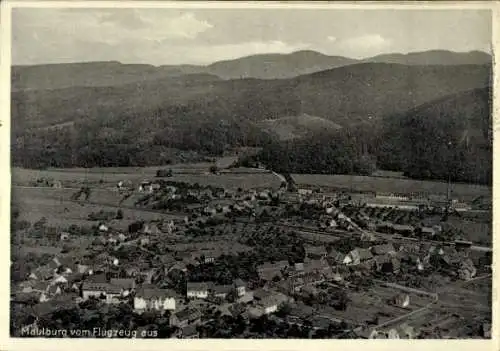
x: 83, y: 268
x: 127, y: 285
x: 386, y: 264
x: 358, y: 255
x: 103, y: 228
x: 221, y: 291
x: 59, y: 280
x: 188, y: 316
x: 198, y: 290
x: 106, y: 291
x: 486, y: 330
x: 304, y: 191
x: 189, y: 332
x: 404, y: 331
x: 403, y: 229
x: 335, y: 257
x: 383, y: 249
x: 181, y: 266
x: 151, y: 298
x: 315, y: 252
x: 54, y: 290
x: 247, y: 298
x: 467, y: 271
x: 427, y: 231
x: 402, y: 300
x: 209, y: 211
x: 240, y: 287
x: 146, y: 186
x: 384, y: 227
x: 272, y: 302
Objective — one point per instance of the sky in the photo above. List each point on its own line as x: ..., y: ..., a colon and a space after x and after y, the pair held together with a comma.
x: 202, y: 36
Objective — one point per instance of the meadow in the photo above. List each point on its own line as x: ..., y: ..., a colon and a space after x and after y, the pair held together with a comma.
x: 55, y: 205
x: 109, y: 177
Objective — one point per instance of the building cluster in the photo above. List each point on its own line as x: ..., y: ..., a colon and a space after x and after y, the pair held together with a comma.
x: 155, y: 249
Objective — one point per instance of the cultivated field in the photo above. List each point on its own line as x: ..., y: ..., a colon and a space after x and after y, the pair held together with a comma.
x: 109, y: 177
x: 465, y: 192
x: 55, y: 205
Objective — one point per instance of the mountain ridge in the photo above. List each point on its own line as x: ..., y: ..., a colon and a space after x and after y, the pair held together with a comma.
x: 261, y: 66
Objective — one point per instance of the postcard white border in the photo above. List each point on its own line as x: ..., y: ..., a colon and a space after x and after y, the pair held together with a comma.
x: 8, y: 343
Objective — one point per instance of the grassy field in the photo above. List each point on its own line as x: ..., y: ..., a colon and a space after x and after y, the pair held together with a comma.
x: 106, y: 178
x: 465, y: 192
x: 53, y: 204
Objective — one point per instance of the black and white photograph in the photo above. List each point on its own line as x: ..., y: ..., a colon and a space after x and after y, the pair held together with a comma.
x: 274, y: 171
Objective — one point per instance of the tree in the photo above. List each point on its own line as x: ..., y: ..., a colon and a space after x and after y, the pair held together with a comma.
x: 119, y: 214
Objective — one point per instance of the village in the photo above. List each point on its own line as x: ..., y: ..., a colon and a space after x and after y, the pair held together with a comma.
x: 290, y: 262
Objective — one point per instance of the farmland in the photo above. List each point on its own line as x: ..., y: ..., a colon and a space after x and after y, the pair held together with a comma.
x: 105, y: 178
x: 55, y: 205
x: 465, y: 192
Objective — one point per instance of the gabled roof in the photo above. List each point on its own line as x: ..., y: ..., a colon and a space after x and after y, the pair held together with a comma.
x: 273, y: 266
x: 222, y: 289
x: 239, y: 283
x: 199, y: 286
x: 103, y: 287
x: 317, y: 250
x: 124, y: 283
x: 153, y: 292
x: 403, y: 227
x: 188, y: 314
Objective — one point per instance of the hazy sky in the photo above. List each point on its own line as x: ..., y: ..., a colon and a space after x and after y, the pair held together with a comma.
x: 201, y: 36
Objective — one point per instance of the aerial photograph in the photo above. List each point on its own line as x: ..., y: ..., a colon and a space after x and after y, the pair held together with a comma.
x: 251, y: 173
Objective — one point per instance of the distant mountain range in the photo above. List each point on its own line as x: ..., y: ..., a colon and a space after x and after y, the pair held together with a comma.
x: 265, y: 66
x: 344, y: 96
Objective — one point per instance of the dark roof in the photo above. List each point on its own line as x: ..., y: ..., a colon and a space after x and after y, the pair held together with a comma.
x: 239, y: 283
x: 273, y: 266
x: 403, y: 227
x: 104, y: 287
x: 188, y: 314
x: 202, y: 286
x: 124, y: 283
x: 222, y: 289
x: 152, y: 292
x: 318, y: 250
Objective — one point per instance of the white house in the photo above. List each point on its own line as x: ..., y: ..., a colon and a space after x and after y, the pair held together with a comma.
x: 198, y: 290
x: 272, y: 302
x: 154, y: 299
x: 240, y: 287
x: 402, y: 300
x: 106, y: 291
x: 103, y: 228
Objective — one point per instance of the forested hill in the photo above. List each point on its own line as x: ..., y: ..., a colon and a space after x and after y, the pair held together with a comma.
x: 450, y: 137
x: 140, y: 123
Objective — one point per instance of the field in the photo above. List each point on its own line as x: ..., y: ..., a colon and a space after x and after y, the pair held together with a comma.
x: 466, y: 192
x: 365, y: 306
x: 55, y: 205
x: 109, y: 177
